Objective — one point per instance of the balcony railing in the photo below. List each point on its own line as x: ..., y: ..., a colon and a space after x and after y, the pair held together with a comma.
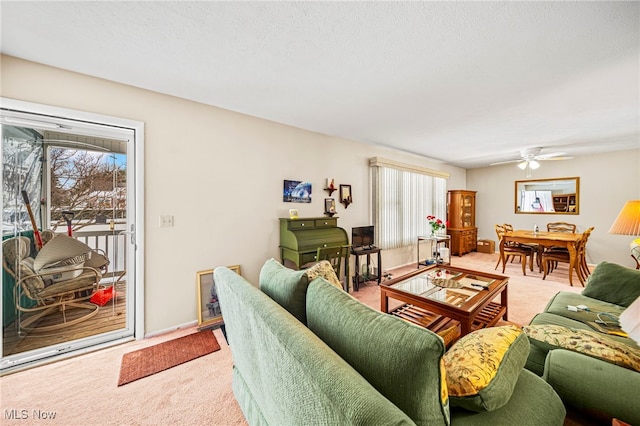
x: 112, y: 243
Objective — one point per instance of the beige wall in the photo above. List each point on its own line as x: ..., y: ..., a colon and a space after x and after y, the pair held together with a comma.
x: 607, y: 181
x: 219, y: 173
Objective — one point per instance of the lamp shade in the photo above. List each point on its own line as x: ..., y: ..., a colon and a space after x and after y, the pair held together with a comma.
x: 628, y: 220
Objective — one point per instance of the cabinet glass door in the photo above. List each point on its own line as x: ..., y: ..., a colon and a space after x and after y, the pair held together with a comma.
x: 467, y: 211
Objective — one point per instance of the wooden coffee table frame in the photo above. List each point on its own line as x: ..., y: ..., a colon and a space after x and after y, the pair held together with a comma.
x: 479, y: 311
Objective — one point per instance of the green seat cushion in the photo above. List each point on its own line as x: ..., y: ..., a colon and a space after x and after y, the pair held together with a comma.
x: 483, y: 367
x: 532, y: 403
x: 614, y: 284
x: 558, y: 305
x: 401, y: 360
x: 286, y: 286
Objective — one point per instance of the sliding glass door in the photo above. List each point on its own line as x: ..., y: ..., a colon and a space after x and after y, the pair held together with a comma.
x: 71, y: 209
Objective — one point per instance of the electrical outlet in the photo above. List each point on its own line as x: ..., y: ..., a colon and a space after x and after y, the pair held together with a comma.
x: 166, y: 221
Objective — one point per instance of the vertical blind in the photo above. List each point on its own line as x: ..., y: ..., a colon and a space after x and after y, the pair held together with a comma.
x: 402, y: 200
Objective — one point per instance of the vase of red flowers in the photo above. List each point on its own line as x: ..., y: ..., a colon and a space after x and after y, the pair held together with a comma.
x: 436, y: 224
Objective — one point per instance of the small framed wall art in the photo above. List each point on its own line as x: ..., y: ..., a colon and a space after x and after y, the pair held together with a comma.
x: 329, y: 206
x: 209, y: 313
x: 345, y: 195
x: 296, y: 191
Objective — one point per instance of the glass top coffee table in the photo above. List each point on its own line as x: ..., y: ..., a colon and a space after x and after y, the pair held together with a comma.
x: 438, y: 297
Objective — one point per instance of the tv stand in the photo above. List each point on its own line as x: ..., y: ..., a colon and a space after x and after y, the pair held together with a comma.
x: 366, y: 251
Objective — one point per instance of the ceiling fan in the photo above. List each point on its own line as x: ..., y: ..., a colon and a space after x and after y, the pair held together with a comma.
x: 529, y: 158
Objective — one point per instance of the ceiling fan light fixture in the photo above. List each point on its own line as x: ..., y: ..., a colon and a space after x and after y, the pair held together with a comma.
x: 522, y: 165
x: 534, y: 164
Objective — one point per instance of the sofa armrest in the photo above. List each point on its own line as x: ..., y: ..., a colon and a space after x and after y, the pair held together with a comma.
x: 586, y: 382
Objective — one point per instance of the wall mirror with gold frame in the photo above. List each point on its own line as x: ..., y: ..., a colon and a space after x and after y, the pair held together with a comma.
x: 548, y: 196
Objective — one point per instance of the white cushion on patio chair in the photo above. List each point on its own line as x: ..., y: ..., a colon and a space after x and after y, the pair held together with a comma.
x: 58, y: 255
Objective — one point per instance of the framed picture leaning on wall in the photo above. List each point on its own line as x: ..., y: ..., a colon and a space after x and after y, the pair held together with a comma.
x: 209, y: 313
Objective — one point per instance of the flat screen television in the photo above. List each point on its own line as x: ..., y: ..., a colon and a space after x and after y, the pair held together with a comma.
x: 362, y: 237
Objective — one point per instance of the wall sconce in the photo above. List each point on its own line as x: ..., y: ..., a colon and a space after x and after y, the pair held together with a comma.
x: 345, y: 195
x: 330, y: 186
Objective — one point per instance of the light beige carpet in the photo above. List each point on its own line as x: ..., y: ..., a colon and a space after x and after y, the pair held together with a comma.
x: 83, y: 390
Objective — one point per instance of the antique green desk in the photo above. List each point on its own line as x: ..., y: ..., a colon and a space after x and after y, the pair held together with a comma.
x: 300, y: 239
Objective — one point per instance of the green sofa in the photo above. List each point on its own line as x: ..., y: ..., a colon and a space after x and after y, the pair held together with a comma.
x: 306, y: 352
x: 583, y: 378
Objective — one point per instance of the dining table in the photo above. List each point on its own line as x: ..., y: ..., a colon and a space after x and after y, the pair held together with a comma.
x: 547, y: 239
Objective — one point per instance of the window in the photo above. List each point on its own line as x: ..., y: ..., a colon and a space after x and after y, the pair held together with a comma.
x: 403, y: 197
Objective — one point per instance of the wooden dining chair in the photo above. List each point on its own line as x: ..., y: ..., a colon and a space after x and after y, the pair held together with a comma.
x: 336, y: 256
x: 551, y: 258
x: 512, y: 251
x: 561, y: 227
x: 535, y: 248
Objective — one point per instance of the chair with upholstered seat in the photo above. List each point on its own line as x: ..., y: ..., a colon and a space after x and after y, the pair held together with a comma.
x: 561, y: 227
x: 512, y: 251
x: 551, y: 258
x: 535, y: 248
x: 336, y: 255
x: 57, y: 280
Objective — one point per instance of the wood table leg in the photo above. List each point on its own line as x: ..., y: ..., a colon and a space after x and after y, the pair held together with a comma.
x: 503, y: 301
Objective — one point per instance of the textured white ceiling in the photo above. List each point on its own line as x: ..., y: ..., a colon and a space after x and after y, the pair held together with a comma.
x: 469, y: 83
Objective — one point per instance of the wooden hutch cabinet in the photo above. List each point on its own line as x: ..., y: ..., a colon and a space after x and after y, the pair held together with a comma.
x: 564, y: 202
x: 461, y: 214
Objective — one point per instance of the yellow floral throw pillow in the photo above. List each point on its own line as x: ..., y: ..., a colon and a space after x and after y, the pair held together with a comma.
x: 483, y: 367
x: 325, y: 270
x: 587, y: 342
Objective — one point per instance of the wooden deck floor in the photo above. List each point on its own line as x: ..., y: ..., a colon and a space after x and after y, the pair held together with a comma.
x: 109, y: 317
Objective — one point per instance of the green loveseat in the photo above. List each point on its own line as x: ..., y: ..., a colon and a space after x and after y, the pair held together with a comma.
x: 306, y: 352
x: 582, y: 378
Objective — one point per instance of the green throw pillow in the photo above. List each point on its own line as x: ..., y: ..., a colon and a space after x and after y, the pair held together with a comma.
x: 289, y: 287
x: 286, y: 286
x: 614, y: 284
x: 592, y: 343
x: 483, y: 367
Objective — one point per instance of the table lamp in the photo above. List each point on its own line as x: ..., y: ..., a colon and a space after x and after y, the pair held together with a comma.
x: 628, y: 220
x: 628, y: 223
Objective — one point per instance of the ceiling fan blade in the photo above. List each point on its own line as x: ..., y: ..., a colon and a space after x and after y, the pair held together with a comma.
x: 506, y: 162
x: 555, y: 158
x: 550, y: 155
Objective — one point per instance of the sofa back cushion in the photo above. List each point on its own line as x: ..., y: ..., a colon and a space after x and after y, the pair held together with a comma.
x: 614, y: 284
x: 401, y: 360
x: 286, y: 286
x: 289, y: 287
x: 289, y: 375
